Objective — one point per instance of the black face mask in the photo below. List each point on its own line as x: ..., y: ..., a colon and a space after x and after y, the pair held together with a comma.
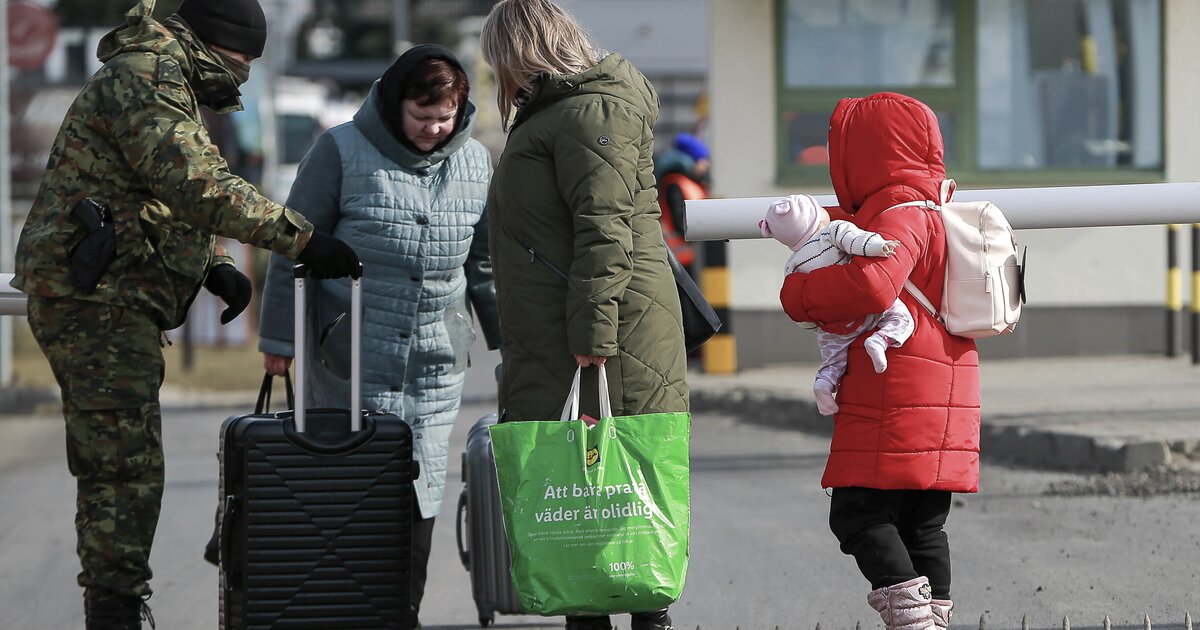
x: 238, y: 69
x: 215, y: 85
x: 215, y: 78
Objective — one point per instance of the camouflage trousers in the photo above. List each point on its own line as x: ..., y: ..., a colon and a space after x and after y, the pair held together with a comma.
x: 109, y: 366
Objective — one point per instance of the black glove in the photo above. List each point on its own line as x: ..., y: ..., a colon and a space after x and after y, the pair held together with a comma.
x: 229, y: 284
x: 328, y: 257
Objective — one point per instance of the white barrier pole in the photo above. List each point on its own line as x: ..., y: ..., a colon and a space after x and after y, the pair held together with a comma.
x: 12, y: 301
x: 1026, y: 208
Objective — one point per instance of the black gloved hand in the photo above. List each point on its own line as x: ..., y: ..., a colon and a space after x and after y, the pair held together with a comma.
x: 328, y: 257
x: 229, y: 284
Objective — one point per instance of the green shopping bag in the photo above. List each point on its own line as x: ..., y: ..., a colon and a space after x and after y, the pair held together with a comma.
x: 597, y: 517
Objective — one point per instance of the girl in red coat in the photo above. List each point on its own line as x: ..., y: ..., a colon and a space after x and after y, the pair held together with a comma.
x: 906, y: 438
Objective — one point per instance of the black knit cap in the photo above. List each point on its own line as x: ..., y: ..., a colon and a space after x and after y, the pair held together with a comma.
x: 238, y: 25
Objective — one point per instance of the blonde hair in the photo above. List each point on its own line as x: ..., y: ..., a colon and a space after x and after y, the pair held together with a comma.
x: 521, y: 39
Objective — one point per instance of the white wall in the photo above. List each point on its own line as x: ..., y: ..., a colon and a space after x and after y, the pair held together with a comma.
x: 742, y: 134
x: 656, y: 35
x: 1080, y: 267
x: 1182, y: 19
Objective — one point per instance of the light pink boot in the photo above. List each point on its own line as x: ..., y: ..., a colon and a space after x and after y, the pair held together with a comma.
x: 905, y: 606
x: 943, y: 610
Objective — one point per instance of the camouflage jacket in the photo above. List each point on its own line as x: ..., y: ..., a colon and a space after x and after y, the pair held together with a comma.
x: 133, y: 140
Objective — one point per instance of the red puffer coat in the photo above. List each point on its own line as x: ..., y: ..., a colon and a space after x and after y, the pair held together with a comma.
x: 916, y: 425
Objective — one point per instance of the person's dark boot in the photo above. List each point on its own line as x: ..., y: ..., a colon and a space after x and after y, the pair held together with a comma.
x: 104, y: 610
x: 212, y: 549
x: 589, y: 623
x: 657, y: 620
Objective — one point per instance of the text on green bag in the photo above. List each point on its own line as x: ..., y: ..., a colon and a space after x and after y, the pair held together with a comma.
x: 620, y: 509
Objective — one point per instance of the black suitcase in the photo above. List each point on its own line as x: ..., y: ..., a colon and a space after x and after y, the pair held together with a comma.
x: 484, y: 548
x: 316, y: 525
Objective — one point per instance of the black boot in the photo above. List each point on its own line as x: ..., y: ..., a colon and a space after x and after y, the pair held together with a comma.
x: 212, y: 549
x: 105, y: 610
x: 657, y: 620
x: 589, y: 623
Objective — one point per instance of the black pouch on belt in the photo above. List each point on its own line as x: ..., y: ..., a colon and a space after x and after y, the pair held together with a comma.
x: 90, y: 257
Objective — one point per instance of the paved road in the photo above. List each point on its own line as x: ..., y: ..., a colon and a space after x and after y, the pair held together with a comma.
x: 761, y: 553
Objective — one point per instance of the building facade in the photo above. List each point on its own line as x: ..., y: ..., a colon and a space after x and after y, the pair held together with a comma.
x: 1027, y: 92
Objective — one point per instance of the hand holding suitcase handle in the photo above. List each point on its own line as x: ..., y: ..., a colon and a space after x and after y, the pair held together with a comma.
x: 329, y: 257
x: 300, y: 273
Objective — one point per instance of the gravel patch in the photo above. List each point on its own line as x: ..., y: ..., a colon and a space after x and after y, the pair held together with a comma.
x: 1176, y: 479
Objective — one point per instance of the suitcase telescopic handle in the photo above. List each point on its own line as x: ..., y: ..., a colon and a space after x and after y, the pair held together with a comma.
x: 300, y: 273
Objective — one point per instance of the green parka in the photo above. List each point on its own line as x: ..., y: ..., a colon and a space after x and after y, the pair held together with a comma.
x: 577, y: 251
x: 133, y: 141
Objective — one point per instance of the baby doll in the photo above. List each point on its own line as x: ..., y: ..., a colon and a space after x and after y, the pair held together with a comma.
x: 799, y: 222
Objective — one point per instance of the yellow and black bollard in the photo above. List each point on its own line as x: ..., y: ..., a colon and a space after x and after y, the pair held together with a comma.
x: 720, y: 352
x: 1174, y: 290
x: 1195, y: 323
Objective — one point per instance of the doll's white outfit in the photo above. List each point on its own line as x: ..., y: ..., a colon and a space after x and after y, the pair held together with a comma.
x: 796, y: 216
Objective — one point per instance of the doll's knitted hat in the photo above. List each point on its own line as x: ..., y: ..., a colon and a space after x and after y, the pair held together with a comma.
x: 792, y: 220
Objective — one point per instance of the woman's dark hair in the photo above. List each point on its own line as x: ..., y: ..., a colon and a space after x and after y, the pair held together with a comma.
x: 435, y: 80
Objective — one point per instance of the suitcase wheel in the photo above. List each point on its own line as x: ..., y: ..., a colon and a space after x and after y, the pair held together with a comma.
x: 485, y: 621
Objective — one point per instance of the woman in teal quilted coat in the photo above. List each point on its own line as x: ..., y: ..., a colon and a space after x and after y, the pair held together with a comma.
x: 404, y: 184
x: 580, y: 265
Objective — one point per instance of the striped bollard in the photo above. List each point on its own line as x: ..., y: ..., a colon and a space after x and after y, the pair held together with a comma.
x: 720, y: 352
x: 1175, y: 289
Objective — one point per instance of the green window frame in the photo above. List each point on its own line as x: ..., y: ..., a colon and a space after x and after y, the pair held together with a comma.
x: 958, y: 101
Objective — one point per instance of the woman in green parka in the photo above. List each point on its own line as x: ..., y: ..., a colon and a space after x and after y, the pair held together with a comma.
x: 577, y: 250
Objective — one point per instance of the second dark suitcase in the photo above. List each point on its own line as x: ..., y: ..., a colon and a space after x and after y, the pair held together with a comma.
x: 484, y: 549
x: 316, y: 526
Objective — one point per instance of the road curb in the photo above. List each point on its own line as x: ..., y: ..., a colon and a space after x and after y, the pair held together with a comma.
x: 1009, y: 439
x: 765, y: 408
x: 1058, y: 450
x: 19, y: 401
x: 1015, y: 440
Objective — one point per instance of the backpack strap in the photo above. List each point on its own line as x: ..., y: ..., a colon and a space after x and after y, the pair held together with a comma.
x: 946, y: 190
x: 932, y: 205
x: 916, y: 293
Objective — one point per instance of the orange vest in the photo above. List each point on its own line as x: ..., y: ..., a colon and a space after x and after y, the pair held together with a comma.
x: 691, y: 190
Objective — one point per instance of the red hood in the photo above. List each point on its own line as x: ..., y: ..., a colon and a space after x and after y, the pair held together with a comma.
x: 883, y: 140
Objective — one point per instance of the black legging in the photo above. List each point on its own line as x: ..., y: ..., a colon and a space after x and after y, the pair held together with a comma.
x: 894, y: 535
x: 422, y: 541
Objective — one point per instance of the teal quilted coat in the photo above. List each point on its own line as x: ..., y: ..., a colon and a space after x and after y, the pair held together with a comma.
x: 417, y: 222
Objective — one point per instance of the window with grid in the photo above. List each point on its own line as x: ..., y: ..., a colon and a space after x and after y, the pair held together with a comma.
x: 1026, y: 91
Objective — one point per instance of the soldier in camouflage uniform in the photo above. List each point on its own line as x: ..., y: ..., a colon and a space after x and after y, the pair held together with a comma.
x: 133, y: 142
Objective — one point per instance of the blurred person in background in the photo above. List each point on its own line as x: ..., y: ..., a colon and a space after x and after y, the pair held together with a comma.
x: 119, y: 241
x: 405, y: 184
x: 682, y: 174
x: 581, y: 268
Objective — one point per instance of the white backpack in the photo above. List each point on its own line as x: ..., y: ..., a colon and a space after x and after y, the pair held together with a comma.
x: 984, y: 289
